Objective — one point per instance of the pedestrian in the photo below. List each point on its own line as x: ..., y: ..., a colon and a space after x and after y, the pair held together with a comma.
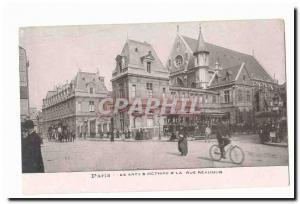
x: 207, y: 133
x: 182, y: 143
x: 272, y: 131
x: 32, y: 160
x: 128, y: 133
x: 112, y: 136
x: 137, y: 134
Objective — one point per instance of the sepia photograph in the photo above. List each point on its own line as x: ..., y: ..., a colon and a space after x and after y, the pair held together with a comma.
x: 153, y: 96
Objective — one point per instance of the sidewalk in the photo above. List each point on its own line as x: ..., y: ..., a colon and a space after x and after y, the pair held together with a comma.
x: 280, y: 144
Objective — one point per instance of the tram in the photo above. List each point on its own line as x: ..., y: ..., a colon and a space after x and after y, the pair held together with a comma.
x: 194, y: 124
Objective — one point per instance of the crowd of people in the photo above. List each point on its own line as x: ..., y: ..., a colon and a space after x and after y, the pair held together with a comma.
x: 61, y: 132
x: 273, y: 131
x: 137, y: 134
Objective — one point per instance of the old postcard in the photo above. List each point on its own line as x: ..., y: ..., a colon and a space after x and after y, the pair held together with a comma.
x: 164, y: 106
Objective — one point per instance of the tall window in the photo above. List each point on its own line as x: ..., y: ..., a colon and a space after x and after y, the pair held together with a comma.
x: 226, y: 96
x: 133, y: 91
x: 79, y: 106
x: 173, y: 94
x: 92, y: 106
x: 240, y: 96
x: 214, y: 99
x: 121, y: 90
x: 248, y: 96
x: 91, y: 90
x: 149, y: 67
x: 206, y: 99
x: 149, y: 90
x: 164, y: 92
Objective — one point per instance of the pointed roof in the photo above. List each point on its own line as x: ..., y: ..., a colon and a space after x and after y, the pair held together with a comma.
x: 201, y: 45
x: 229, y: 58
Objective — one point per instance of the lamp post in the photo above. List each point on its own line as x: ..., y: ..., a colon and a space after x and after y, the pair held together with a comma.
x: 159, y: 136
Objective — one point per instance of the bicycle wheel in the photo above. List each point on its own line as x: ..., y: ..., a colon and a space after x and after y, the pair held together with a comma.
x: 215, y: 153
x: 237, y: 155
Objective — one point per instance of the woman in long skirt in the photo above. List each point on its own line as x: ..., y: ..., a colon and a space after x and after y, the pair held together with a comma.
x: 182, y: 144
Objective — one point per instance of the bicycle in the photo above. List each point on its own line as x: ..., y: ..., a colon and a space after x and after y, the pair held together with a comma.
x: 236, y: 154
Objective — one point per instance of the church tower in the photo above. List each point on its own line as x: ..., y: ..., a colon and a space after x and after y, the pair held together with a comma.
x: 202, y: 61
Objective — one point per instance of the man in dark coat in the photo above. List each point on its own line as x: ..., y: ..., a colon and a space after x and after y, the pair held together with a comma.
x: 32, y: 161
x: 222, y: 137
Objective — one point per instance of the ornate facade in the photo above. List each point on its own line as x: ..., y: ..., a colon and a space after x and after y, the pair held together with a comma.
x: 224, y: 81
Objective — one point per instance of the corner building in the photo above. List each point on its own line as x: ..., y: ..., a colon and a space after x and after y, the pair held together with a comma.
x: 77, y: 104
x: 139, y: 73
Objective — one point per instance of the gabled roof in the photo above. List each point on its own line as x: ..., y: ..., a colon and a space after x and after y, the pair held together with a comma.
x: 232, y: 72
x: 229, y: 58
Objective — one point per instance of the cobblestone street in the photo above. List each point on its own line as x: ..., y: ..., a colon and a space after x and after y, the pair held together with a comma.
x: 97, y: 155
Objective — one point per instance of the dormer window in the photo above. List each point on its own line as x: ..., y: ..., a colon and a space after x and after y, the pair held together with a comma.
x: 136, y: 49
x: 120, y: 66
x: 244, y: 78
x: 91, y: 90
x: 149, y: 67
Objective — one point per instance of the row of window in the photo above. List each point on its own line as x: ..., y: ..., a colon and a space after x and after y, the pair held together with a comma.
x: 201, y: 98
x: 91, y: 107
x: 60, y: 96
x: 121, y: 68
x: 149, y: 90
x: 60, y: 110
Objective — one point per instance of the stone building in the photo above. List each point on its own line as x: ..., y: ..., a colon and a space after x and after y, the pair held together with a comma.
x: 24, y: 91
x: 236, y: 83
x: 225, y: 82
x: 139, y: 73
x: 77, y: 104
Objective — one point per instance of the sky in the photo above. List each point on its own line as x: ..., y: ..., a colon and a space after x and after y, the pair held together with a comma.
x: 56, y: 53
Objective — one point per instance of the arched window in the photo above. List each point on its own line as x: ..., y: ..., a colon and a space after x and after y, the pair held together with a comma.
x: 179, y: 61
x: 180, y: 82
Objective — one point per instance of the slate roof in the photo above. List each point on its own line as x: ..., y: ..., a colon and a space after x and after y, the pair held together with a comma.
x: 230, y: 58
x: 135, y: 51
x: 83, y: 78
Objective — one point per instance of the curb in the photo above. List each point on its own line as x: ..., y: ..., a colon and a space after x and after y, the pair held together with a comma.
x: 275, y: 144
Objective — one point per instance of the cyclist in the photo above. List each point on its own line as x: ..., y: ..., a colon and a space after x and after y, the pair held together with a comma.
x: 223, y: 137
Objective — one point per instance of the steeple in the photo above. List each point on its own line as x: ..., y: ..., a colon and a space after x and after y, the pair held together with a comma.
x: 201, y: 45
